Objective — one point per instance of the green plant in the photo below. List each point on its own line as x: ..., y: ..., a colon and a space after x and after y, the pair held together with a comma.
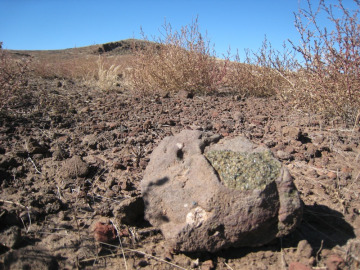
x: 177, y: 60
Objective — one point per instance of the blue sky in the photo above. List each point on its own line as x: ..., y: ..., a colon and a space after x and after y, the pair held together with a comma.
x: 60, y: 24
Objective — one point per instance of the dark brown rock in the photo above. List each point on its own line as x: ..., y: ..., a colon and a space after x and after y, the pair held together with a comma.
x: 33, y: 147
x: 332, y: 175
x: 183, y: 94
x: 8, y: 162
x: 11, y: 237
x: 74, y: 167
x: 91, y: 141
x: 207, y: 195
x: 283, y: 155
x: 104, y: 231
x: 130, y: 211
x: 292, y: 133
x: 59, y: 154
x: 312, y: 151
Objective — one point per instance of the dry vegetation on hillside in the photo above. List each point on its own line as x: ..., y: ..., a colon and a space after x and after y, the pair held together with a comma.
x: 319, y: 75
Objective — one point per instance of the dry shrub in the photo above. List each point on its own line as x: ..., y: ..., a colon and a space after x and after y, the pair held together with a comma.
x: 331, y: 73
x: 179, y: 60
x: 263, y: 73
x: 14, y: 90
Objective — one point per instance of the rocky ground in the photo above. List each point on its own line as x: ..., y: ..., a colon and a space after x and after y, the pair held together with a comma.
x: 70, y: 179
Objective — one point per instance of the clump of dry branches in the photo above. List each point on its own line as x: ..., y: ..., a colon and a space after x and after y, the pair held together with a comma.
x: 321, y: 74
x: 264, y: 72
x: 178, y: 60
x: 331, y: 59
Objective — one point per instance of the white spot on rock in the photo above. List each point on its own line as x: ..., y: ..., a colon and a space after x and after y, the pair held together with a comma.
x: 196, y: 217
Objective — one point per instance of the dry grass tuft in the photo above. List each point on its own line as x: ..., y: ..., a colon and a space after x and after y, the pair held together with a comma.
x: 106, y: 75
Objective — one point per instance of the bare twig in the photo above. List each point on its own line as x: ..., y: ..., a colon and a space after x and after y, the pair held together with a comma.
x: 22, y: 221
x: 77, y: 223
x: 133, y: 233
x: 228, y: 266
x: 155, y: 258
x: 318, y: 252
x: 357, y: 121
x: 142, y: 253
x: 33, y: 163
x: 22, y: 206
x: 121, y: 246
x: 59, y: 192
x: 10, y: 202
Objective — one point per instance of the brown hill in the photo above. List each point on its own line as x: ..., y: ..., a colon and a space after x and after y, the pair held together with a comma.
x: 121, y: 47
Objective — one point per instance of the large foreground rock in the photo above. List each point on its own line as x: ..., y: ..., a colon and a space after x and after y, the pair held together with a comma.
x: 206, y: 194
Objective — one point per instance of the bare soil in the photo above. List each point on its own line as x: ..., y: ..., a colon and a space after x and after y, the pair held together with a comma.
x: 79, y: 162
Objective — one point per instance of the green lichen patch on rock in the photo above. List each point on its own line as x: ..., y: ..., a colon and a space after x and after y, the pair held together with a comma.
x: 244, y: 171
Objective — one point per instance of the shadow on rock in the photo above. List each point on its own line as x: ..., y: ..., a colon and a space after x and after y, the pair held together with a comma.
x: 159, y: 182
x: 153, y: 184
